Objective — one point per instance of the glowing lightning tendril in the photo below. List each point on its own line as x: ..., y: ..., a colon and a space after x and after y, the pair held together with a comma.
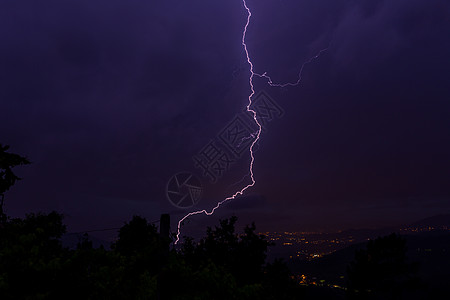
x: 258, y: 133
x: 299, y: 79
x: 255, y: 135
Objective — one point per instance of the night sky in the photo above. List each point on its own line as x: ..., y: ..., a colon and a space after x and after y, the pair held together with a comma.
x: 109, y: 99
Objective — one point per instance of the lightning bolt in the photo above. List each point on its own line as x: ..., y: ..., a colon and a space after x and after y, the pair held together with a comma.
x: 258, y: 134
x: 255, y: 135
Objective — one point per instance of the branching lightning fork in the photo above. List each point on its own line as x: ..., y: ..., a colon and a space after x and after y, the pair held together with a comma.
x: 299, y: 79
x: 258, y: 133
x: 255, y: 135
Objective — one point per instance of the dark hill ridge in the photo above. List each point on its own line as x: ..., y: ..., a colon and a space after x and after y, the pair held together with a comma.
x: 442, y: 220
x: 429, y: 249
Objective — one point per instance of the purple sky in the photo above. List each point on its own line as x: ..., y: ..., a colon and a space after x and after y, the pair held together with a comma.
x: 109, y: 99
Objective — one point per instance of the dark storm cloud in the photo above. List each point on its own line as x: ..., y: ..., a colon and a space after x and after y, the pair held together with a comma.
x: 370, y: 125
x: 110, y: 98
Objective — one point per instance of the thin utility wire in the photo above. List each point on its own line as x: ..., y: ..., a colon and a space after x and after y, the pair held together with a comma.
x: 104, y: 229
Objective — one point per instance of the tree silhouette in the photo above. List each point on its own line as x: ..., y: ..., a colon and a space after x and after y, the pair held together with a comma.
x: 136, y: 236
x: 7, y: 177
x: 140, y: 248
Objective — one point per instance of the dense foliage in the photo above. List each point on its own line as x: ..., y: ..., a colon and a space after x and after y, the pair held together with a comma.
x: 222, y: 265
